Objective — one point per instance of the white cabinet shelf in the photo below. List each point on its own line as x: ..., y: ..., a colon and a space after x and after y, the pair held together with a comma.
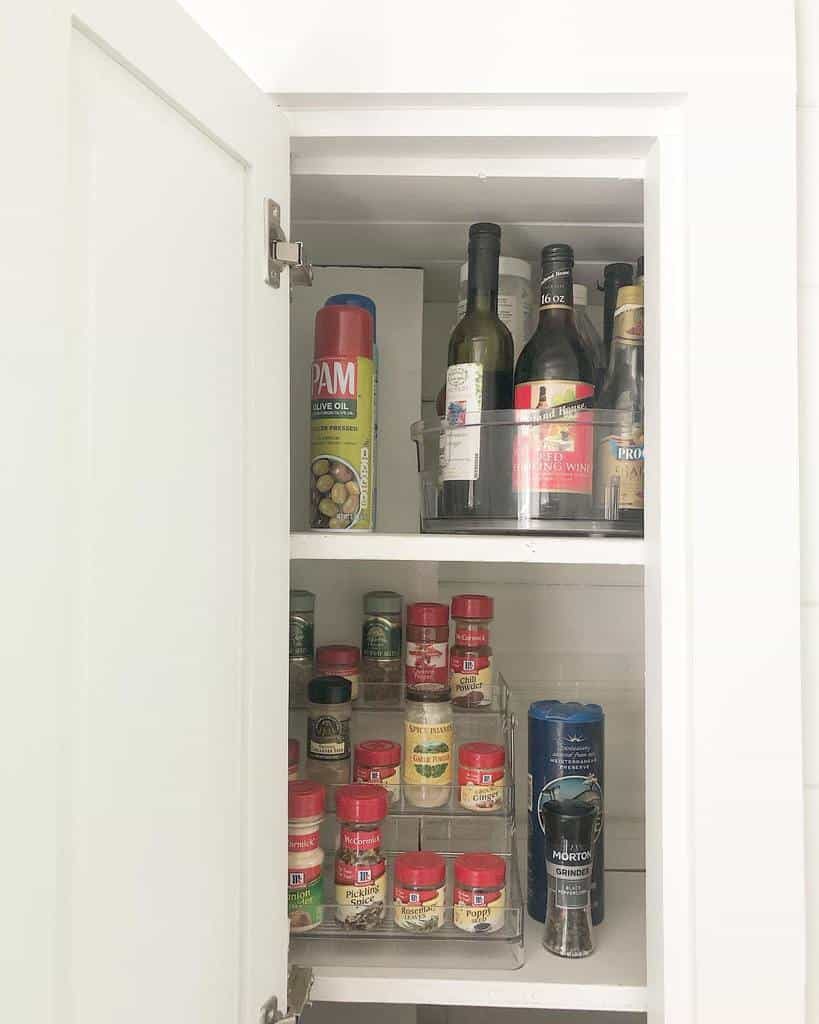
x: 612, y: 978
x: 410, y: 547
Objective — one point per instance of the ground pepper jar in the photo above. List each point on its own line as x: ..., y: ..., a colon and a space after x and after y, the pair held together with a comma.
x: 305, y: 857
x: 471, y: 674
x: 481, y: 775
x: 361, y: 867
x: 427, y: 649
x: 379, y: 761
x: 328, y: 732
x: 480, y: 893
x: 419, y: 891
x: 340, y: 660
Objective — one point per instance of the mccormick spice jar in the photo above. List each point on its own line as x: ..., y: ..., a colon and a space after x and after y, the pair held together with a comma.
x: 361, y: 867
x: 428, y: 730
x: 427, y: 649
x: 305, y: 858
x: 342, y: 420
x: 302, y: 614
x: 382, y: 647
x: 481, y: 774
x: 418, y: 894
x: 328, y: 731
x: 470, y: 659
x: 480, y: 893
x: 340, y: 660
x: 292, y: 760
x: 379, y: 761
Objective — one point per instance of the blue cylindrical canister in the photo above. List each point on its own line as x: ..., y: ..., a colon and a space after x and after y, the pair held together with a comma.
x: 566, y: 743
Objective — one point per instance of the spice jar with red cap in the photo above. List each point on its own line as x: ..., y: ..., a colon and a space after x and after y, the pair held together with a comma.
x: 481, y: 774
x: 342, y: 421
x: 480, y: 893
x: 361, y: 867
x: 419, y: 888
x: 340, y: 660
x: 471, y: 677
x: 379, y: 761
x: 427, y: 649
x: 305, y: 857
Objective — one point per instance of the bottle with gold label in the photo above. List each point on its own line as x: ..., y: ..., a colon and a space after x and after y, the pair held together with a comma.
x: 619, y: 458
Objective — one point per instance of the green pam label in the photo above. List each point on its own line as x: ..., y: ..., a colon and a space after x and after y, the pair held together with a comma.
x: 381, y: 639
x: 301, y: 637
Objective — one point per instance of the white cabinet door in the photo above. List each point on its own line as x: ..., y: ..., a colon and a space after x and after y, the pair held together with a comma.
x: 151, y: 420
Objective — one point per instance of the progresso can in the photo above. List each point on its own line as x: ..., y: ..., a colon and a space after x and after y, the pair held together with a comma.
x: 566, y: 743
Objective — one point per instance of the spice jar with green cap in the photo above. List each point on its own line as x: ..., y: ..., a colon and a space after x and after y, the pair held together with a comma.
x: 302, y: 618
x: 382, y: 647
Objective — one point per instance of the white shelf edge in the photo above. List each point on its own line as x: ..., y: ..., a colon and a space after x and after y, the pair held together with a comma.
x: 612, y: 979
x: 407, y: 547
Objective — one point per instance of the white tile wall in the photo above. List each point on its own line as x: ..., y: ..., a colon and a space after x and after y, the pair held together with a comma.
x: 807, y: 28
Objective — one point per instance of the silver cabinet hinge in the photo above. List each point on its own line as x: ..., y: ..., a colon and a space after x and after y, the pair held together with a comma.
x: 299, y: 983
x: 281, y: 253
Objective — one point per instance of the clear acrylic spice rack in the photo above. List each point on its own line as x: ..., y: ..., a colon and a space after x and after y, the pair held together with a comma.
x: 384, y: 720
x: 385, y: 944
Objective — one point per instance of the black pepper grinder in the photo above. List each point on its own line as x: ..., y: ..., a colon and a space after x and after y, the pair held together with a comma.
x: 569, y: 826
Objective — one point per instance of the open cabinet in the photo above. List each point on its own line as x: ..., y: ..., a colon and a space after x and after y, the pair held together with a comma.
x: 169, y: 446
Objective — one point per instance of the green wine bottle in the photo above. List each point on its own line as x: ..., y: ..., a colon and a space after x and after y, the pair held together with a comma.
x: 479, y: 375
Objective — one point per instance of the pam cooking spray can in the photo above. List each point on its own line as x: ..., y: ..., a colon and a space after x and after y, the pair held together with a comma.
x: 566, y: 746
x: 342, y: 417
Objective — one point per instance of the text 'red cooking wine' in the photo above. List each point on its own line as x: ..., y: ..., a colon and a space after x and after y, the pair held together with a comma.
x: 478, y: 379
x: 553, y: 462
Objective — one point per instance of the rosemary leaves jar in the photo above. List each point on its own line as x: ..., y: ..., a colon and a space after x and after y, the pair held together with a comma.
x: 418, y: 894
x: 569, y: 827
x: 361, y: 867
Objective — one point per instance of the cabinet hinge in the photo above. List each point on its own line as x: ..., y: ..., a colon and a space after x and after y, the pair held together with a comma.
x: 280, y: 253
x: 299, y: 982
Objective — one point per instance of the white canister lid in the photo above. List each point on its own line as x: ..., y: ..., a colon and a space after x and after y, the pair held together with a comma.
x: 581, y: 295
x: 509, y: 266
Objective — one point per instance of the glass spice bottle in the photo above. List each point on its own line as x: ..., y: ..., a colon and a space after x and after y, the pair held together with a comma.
x: 361, y: 867
x: 479, y: 905
x: 379, y: 761
x: 481, y: 774
x: 419, y: 891
x: 340, y: 660
x: 302, y: 618
x: 428, y: 735
x: 569, y: 828
x: 471, y: 679
x: 328, y: 732
x: 382, y: 647
x: 427, y: 649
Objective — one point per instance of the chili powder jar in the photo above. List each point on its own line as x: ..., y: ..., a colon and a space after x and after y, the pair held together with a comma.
x: 361, y: 867
x: 427, y: 649
x: 419, y: 891
x: 470, y: 659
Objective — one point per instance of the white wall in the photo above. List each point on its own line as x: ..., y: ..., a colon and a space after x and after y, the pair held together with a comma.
x: 808, y: 277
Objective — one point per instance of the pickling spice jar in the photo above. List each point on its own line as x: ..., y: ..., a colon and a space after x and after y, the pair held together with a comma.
x: 328, y: 732
x: 361, y: 867
x: 481, y: 774
x: 471, y: 678
x: 305, y: 857
x: 340, y: 660
x: 419, y: 891
x: 379, y: 761
x: 569, y: 828
x: 480, y: 893
x: 427, y: 649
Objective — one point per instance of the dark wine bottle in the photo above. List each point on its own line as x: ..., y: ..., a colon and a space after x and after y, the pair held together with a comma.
x: 479, y: 374
x: 552, y: 469
x: 615, y: 276
x: 619, y: 457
